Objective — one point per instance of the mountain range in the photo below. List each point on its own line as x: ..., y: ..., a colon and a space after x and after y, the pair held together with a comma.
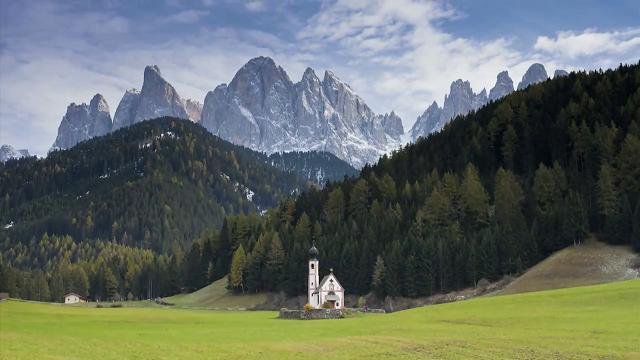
x: 461, y: 99
x: 9, y: 152
x: 263, y: 109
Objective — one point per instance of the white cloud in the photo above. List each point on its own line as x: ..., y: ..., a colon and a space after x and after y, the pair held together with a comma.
x: 394, y: 53
x: 187, y: 16
x: 590, y: 42
x: 256, y: 5
x: 414, y: 61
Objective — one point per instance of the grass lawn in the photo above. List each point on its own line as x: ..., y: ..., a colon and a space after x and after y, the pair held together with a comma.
x: 594, y: 322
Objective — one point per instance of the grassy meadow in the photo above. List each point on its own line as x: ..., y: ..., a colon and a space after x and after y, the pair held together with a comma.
x: 594, y: 322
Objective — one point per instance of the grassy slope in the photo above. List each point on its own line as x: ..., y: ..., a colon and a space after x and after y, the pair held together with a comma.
x: 216, y: 296
x: 601, y: 321
x: 591, y: 263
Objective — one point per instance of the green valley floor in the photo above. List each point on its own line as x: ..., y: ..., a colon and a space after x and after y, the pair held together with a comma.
x: 592, y: 322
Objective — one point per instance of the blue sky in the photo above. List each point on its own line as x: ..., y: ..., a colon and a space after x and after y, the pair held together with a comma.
x: 397, y: 54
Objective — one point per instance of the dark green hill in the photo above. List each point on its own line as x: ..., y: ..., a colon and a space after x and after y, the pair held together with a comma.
x: 319, y: 167
x: 155, y: 185
x: 493, y: 193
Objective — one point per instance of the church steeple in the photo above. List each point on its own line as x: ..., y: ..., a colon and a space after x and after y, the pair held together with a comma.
x: 314, y: 277
x: 313, y: 252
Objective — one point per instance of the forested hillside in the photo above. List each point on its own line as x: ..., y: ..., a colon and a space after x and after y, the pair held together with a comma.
x: 155, y: 185
x: 493, y: 193
x: 318, y: 167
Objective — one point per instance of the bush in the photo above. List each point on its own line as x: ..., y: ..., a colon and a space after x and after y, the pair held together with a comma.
x: 116, y: 305
x: 308, y: 307
x: 326, y: 305
x: 483, y: 283
x: 99, y: 306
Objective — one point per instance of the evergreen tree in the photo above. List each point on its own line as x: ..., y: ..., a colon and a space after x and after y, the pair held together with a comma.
x: 378, y: 277
x: 238, y: 269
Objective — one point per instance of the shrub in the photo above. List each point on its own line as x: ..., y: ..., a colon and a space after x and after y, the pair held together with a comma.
x: 483, y: 283
x: 326, y: 305
x: 99, y: 306
x: 308, y: 307
x: 116, y: 305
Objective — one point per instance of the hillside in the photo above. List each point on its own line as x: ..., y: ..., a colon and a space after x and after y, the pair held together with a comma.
x: 216, y: 296
x: 594, y: 322
x: 492, y: 194
x: 591, y: 263
x: 316, y: 166
x: 154, y: 185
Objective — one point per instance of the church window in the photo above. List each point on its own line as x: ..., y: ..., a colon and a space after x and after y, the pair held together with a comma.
x: 311, y: 266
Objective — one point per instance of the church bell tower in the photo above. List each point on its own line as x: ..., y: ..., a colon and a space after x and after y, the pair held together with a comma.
x: 314, y: 277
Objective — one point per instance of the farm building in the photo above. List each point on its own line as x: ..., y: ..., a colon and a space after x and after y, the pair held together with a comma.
x: 73, y: 298
x: 327, y: 291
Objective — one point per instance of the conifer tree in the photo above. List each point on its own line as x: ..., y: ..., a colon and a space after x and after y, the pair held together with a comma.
x: 238, y: 268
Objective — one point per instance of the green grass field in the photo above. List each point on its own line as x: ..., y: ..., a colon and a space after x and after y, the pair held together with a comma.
x: 595, y: 322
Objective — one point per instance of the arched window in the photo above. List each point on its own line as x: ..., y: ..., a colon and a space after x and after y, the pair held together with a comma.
x: 312, y: 265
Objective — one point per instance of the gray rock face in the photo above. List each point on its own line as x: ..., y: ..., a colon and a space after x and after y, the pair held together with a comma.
x: 426, y: 122
x: 263, y: 109
x: 535, y: 74
x: 126, y: 111
x: 82, y: 122
x: 503, y: 86
x: 392, y: 125
x: 157, y: 98
x: 559, y: 73
x: 9, y: 152
x: 194, y: 110
x: 460, y: 101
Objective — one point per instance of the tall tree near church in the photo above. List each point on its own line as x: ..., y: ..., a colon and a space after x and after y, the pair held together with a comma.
x: 377, y: 278
x: 238, y: 269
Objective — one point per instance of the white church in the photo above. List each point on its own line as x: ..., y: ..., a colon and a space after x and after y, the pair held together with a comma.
x: 328, y: 290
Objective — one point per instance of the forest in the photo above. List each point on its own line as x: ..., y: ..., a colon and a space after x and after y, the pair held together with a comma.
x: 156, y: 185
x: 491, y: 194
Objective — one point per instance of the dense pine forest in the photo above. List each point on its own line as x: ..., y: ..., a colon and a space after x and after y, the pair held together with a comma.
x: 492, y: 194
x: 318, y: 167
x: 155, y: 185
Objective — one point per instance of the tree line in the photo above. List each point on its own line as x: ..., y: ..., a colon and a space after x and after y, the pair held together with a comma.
x: 492, y: 194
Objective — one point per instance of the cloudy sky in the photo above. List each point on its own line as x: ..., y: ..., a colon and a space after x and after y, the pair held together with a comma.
x: 397, y: 54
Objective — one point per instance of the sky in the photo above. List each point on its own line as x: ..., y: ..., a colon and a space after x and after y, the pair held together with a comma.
x: 397, y: 55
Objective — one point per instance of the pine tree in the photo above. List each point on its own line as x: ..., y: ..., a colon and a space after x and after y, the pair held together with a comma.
x: 378, y: 277
x: 475, y: 199
x: 607, y: 195
x: 238, y: 268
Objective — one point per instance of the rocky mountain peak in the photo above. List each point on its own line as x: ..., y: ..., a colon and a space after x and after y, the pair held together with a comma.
x: 194, y: 109
x: 392, y: 125
x: 98, y: 104
x: 503, y: 86
x: 157, y: 98
x: 426, y: 122
x: 264, y: 110
x: 535, y: 73
x: 9, y: 152
x: 559, y: 73
x: 126, y: 111
x: 83, y: 122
